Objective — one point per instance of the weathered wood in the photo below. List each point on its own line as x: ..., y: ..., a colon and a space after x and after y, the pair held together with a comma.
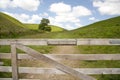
x: 112, y: 41
x: 14, y: 62
x: 67, y: 56
x: 52, y: 62
x: 24, y: 41
x: 19, y: 79
x: 1, y: 63
x: 61, y: 41
x: 35, y: 70
x: 97, y: 42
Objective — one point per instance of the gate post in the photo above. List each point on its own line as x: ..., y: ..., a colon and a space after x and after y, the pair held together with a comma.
x: 14, y: 62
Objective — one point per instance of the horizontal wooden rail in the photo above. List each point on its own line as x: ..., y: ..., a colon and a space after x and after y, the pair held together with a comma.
x: 1, y: 63
x: 19, y: 79
x: 67, y: 56
x: 61, y: 41
x: 57, y: 65
x: 35, y: 70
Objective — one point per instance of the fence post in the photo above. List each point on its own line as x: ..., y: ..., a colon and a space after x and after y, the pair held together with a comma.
x: 14, y: 62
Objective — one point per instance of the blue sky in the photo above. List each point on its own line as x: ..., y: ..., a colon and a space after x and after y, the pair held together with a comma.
x: 69, y: 14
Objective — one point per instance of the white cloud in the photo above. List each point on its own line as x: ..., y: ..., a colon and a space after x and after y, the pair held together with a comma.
x: 107, y: 7
x: 92, y: 18
x: 30, y: 5
x: 34, y: 19
x: 4, y: 3
x: 44, y: 14
x: 67, y: 16
x: 81, y: 11
x: 24, y: 18
x: 60, y: 8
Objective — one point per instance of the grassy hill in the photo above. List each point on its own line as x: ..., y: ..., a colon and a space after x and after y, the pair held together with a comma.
x: 109, y: 28
x: 10, y: 27
x: 31, y: 26
x: 35, y: 27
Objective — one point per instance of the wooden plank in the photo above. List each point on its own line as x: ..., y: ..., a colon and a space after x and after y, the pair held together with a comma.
x: 24, y: 41
x: 97, y: 42
x: 67, y: 56
x: 1, y: 63
x: 19, y: 79
x: 14, y: 62
x: 61, y: 41
x: 52, y: 62
x: 35, y: 70
x: 112, y: 41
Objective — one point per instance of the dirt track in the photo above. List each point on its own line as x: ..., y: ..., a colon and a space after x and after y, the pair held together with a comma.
x: 57, y: 50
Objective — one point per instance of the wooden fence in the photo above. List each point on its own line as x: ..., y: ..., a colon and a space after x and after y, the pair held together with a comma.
x: 52, y: 59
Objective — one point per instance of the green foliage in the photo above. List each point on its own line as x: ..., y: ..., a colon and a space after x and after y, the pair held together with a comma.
x: 48, y: 28
x: 45, y: 21
x: 44, y: 25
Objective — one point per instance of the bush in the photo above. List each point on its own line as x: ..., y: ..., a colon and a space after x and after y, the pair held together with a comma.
x: 48, y: 29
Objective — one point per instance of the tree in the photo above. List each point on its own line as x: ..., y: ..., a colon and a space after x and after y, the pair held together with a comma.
x: 48, y: 28
x: 44, y: 25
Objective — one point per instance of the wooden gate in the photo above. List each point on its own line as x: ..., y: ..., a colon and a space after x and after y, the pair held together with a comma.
x: 79, y: 73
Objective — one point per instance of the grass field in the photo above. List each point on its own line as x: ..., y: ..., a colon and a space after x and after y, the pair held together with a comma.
x: 104, y: 29
x: 35, y: 27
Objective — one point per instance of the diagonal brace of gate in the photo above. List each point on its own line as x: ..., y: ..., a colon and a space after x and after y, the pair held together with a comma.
x: 57, y: 65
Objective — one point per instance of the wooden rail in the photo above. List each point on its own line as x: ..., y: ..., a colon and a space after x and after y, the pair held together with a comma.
x: 80, y: 73
x: 36, y: 70
x: 67, y: 56
x: 54, y: 63
x: 61, y: 41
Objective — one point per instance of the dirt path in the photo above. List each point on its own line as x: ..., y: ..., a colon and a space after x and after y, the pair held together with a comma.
x: 64, y: 50
x: 67, y: 50
x: 56, y: 50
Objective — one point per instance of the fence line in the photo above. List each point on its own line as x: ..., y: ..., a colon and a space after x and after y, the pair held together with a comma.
x: 80, y: 73
x: 61, y: 41
x: 54, y: 63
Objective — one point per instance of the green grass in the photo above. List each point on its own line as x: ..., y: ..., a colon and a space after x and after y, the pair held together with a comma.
x: 35, y: 27
x: 31, y: 26
x: 57, y: 29
x: 109, y: 28
x: 107, y: 77
x: 99, y: 49
x: 10, y: 27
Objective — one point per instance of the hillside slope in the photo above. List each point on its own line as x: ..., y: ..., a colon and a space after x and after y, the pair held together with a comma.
x: 12, y: 28
x: 9, y: 26
x: 35, y: 27
x: 109, y: 28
